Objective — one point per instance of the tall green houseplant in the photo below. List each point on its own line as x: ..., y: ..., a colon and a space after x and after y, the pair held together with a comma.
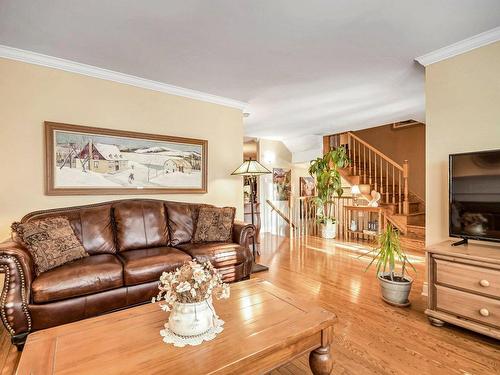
x: 328, y: 182
x: 395, y: 287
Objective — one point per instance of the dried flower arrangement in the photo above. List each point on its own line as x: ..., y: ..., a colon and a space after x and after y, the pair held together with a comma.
x: 192, y: 283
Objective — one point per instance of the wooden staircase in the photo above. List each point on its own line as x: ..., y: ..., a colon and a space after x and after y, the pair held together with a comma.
x: 371, y: 169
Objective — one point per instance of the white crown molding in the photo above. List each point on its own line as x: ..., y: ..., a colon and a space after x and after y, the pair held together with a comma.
x: 466, y: 45
x: 110, y: 75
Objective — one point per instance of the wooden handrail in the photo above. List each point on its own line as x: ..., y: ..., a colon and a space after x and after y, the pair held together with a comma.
x: 281, y: 214
x: 374, y: 168
x: 376, y: 151
x: 418, y: 197
x: 395, y: 224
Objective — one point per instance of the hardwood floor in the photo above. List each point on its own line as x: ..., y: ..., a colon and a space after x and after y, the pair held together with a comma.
x: 9, y: 356
x: 371, y: 336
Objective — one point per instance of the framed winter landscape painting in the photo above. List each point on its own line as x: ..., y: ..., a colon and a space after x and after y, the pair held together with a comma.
x: 83, y: 160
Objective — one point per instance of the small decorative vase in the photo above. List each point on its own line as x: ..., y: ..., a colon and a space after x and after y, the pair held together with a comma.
x: 354, y: 226
x: 191, y: 319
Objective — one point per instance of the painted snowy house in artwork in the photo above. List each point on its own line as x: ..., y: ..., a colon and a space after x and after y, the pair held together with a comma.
x: 177, y: 165
x: 103, y: 158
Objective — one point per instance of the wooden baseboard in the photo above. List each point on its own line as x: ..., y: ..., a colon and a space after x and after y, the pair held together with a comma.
x: 425, y: 289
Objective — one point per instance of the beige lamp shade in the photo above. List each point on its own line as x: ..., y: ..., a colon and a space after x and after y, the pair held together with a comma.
x: 251, y: 168
x: 355, y: 190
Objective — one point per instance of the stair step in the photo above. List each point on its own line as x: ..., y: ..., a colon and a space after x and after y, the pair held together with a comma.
x: 400, y: 221
x: 416, y: 219
x: 417, y: 213
x: 413, y: 236
x: 414, y: 204
x: 412, y: 243
x: 417, y: 230
x: 415, y: 207
x: 392, y: 208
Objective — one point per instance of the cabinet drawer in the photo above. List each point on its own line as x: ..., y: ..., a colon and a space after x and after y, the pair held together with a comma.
x: 467, y: 305
x: 477, y: 279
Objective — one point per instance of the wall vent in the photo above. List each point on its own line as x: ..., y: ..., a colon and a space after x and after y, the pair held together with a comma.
x: 405, y: 124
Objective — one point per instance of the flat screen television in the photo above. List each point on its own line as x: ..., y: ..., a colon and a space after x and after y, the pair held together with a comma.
x: 475, y: 195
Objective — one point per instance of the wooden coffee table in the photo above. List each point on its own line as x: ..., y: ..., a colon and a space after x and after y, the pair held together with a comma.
x: 265, y: 328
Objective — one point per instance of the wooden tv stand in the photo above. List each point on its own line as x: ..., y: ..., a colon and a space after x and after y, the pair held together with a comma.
x: 464, y: 286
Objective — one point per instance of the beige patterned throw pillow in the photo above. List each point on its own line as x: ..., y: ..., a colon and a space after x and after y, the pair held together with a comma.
x: 50, y: 241
x: 214, y: 224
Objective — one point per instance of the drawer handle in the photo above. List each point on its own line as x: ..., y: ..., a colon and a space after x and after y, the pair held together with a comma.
x: 484, y: 283
x: 484, y: 312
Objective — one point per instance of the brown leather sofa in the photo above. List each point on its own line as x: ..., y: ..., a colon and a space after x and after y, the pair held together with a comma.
x: 130, y: 242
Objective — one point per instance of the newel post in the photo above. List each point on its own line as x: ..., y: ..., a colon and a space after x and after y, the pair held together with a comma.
x: 406, y: 201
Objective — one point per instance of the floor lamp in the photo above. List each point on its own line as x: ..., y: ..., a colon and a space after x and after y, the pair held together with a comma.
x: 252, y: 168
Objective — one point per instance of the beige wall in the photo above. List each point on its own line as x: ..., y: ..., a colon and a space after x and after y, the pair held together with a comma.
x: 251, y: 150
x: 281, y: 158
x: 462, y: 114
x: 400, y: 145
x: 30, y: 95
x: 298, y: 170
x: 272, y: 154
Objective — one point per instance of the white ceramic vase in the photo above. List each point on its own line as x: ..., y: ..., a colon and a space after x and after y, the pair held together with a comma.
x: 191, y: 319
x: 329, y: 229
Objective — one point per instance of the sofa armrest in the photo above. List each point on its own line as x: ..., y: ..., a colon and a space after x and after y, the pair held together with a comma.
x: 17, y: 265
x: 243, y: 233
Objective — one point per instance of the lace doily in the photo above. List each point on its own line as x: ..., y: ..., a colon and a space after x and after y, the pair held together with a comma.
x: 181, y: 341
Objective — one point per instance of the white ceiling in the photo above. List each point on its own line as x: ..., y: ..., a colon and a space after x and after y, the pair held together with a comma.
x: 306, y: 68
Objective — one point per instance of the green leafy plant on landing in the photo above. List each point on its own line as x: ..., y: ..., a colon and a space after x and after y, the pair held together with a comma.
x: 387, y: 253
x: 325, y: 170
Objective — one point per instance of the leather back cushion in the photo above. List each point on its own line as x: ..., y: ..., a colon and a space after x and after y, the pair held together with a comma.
x: 140, y: 224
x: 92, y: 226
x: 180, y: 223
x: 182, y: 218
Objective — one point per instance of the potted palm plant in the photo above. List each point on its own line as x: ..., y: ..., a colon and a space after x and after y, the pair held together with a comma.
x: 395, y: 287
x: 325, y: 171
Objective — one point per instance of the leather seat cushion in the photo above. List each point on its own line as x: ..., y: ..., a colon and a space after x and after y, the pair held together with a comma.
x: 88, y: 275
x: 220, y: 254
x: 145, y: 265
x: 69, y: 310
